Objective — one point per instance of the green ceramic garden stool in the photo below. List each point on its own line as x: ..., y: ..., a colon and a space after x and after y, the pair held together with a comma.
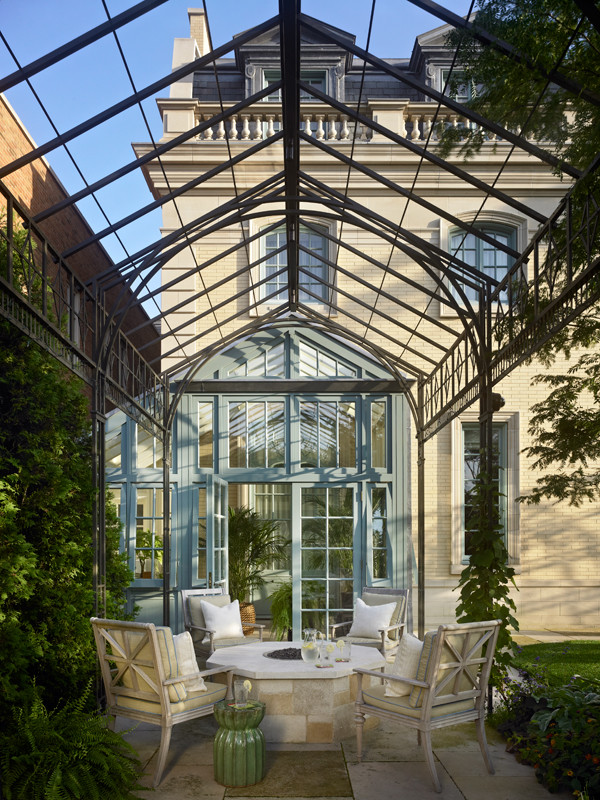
x: 239, y: 747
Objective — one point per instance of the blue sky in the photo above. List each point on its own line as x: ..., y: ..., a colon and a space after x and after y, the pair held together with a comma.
x: 95, y: 78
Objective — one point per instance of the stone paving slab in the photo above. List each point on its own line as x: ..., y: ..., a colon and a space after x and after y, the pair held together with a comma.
x: 300, y: 773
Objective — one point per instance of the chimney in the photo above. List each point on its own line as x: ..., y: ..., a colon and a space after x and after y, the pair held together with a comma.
x: 199, y: 30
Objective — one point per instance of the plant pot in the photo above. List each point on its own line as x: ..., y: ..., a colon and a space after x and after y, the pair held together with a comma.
x: 248, y: 614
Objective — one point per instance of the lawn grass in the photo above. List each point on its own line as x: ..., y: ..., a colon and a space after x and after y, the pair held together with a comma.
x: 559, y: 661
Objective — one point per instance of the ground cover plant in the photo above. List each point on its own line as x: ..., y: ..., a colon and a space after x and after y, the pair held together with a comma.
x: 553, y: 724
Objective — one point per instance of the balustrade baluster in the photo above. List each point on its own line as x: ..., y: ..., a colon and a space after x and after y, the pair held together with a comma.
x: 344, y: 133
x: 233, y: 127
x: 332, y: 127
x: 257, y: 127
x: 320, y: 133
x: 270, y: 126
x: 245, y: 126
x: 415, y: 133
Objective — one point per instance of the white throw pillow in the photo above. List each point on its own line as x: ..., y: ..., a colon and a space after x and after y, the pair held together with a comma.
x: 369, y: 620
x: 406, y: 664
x: 186, y: 662
x: 224, y: 620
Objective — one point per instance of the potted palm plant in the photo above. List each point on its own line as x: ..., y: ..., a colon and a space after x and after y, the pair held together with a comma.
x: 255, y: 545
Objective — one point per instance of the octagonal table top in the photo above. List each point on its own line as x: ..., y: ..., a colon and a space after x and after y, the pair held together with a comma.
x: 250, y: 662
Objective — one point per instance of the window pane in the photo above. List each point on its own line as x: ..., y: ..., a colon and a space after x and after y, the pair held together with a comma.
x: 205, y: 435
x: 276, y: 434
x: 149, y: 533
x: 113, y: 448
x: 257, y: 452
x: 276, y: 361
x: 347, y: 435
x: 202, y: 533
x: 145, y: 449
x: 308, y: 434
x: 471, y: 468
x: 237, y: 434
x: 314, y: 502
x: 327, y: 434
x: 378, y: 434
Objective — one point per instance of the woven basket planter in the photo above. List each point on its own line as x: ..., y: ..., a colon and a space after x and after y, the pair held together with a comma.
x: 248, y: 614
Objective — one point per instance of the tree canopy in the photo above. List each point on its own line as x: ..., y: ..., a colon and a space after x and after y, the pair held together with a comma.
x: 550, y: 35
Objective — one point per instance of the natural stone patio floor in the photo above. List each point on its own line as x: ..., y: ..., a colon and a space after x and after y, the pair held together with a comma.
x: 392, y: 767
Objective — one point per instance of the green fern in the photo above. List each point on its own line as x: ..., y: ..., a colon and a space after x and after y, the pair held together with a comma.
x: 66, y: 754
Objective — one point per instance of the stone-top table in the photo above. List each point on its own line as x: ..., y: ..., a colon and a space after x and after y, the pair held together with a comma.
x: 304, y: 703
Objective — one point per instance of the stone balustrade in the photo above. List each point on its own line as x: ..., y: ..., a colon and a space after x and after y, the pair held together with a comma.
x: 414, y: 121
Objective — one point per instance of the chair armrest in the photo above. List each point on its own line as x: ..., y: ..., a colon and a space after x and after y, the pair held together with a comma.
x: 191, y: 628
x: 337, y: 625
x: 388, y: 676
x: 215, y: 671
x: 392, y: 628
x: 259, y: 627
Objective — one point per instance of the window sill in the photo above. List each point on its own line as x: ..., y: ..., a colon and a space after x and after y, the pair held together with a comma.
x: 456, y: 569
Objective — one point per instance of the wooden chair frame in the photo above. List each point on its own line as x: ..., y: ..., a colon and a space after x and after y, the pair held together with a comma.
x: 444, y: 683
x: 208, y: 649
x: 337, y: 629
x: 118, y: 659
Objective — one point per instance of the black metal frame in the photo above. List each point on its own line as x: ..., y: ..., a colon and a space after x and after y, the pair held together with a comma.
x: 94, y: 340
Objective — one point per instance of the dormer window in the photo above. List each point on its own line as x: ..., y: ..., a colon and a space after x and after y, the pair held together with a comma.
x: 456, y: 86
x: 316, y: 78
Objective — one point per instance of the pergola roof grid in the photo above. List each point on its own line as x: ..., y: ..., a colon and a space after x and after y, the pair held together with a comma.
x: 298, y: 189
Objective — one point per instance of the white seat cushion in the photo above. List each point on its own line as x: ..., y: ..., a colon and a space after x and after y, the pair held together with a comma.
x: 225, y: 620
x: 369, y: 620
x: 405, y: 664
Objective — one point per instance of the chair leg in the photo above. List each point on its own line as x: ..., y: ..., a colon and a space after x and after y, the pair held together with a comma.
x: 165, y: 740
x: 482, y: 739
x: 359, y: 721
x: 426, y: 742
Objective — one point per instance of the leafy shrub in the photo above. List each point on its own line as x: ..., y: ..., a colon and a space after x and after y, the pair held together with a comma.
x: 557, y: 731
x: 46, y: 558
x: 66, y: 753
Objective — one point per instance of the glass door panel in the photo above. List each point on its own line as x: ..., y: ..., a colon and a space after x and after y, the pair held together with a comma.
x: 378, y: 536
x: 329, y: 558
x: 210, y: 557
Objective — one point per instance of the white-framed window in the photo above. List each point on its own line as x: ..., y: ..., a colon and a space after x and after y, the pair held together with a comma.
x: 315, y: 271
x: 455, y: 85
x: 316, y: 78
x: 465, y: 469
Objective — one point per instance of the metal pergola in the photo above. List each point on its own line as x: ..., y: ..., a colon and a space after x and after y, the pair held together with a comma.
x: 493, y: 335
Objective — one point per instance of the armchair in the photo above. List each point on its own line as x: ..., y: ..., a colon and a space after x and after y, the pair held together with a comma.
x: 151, y: 676
x: 208, y: 639
x: 449, y: 687
x: 385, y: 637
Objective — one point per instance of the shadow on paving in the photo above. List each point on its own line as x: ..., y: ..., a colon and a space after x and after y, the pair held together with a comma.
x: 295, y: 773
